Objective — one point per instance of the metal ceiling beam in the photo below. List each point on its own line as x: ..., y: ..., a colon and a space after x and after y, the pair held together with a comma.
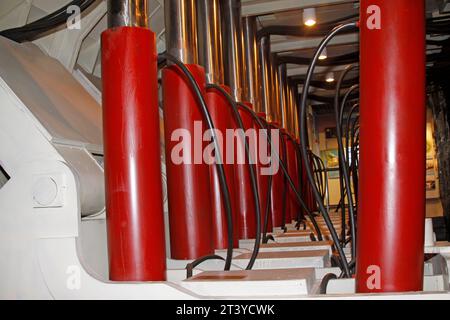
x: 283, y: 44
x: 262, y: 7
x: 302, y: 70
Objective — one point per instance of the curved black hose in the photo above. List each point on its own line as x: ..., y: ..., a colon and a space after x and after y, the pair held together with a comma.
x: 191, y: 266
x: 325, y: 281
x: 43, y: 25
x: 342, y: 157
x: 289, y: 178
x: 238, y: 119
x: 218, y: 162
x: 347, y: 126
x: 302, y: 117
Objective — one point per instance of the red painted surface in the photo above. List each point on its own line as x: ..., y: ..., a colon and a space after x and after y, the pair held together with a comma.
x: 222, y: 119
x: 392, y: 148
x: 246, y: 201
x: 134, y: 204
x: 276, y: 193
x: 286, y: 197
x: 188, y: 184
x: 263, y: 179
x: 294, y: 206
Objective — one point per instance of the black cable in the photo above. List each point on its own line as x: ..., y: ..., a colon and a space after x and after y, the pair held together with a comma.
x: 325, y: 281
x: 218, y: 162
x: 253, y: 181
x: 43, y: 25
x: 289, y: 178
x: 191, y: 266
x: 302, y: 118
x: 342, y: 157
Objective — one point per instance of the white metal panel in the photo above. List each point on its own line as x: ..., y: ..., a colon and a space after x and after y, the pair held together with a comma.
x: 56, y: 99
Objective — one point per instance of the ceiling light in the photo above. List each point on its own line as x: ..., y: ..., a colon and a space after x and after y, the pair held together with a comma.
x: 323, y: 54
x: 309, y: 17
x: 330, y: 77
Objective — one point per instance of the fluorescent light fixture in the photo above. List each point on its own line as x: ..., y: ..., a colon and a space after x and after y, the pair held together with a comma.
x: 330, y: 77
x: 323, y: 54
x: 309, y: 17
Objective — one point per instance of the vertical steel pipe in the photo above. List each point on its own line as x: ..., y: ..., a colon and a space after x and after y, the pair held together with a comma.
x: 390, y: 246
x: 232, y: 46
x: 265, y: 77
x: 252, y: 63
x: 134, y: 204
x: 181, y: 30
x: 189, y: 181
x: 210, y: 53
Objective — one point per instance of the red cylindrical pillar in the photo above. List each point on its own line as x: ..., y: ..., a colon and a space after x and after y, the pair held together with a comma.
x: 222, y: 118
x: 286, y: 196
x: 263, y: 165
x: 246, y: 200
x: 134, y: 204
x: 187, y: 180
x: 276, y: 191
x: 294, y: 205
x: 391, y: 212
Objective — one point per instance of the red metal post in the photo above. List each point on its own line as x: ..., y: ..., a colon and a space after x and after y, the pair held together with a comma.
x: 263, y: 179
x: 294, y: 205
x: 222, y: 118
x: 276, y: 193
x: 390, y: 243
x: 246, y: 200
x: 188, y: 182
x: 134, y: 204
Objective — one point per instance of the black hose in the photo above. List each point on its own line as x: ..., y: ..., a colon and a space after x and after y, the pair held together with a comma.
x: 43, y: 25
x: 219, y: 162
x: 342, y: 157
x: 325, y: 281
x: 191, y: 266
x: 289, y: 178
x: 254, y: 185
x: 302, y: 118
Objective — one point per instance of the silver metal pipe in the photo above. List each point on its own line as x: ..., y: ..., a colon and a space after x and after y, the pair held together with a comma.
x: 275, y: 89
x: 181, y: 29
x: 232, y: 46
x: 295, y: 101
x: 282, y: 96
x: 252, y: 64
x: 128, y: 13
x: 210, y: 52
x: 265, y: 77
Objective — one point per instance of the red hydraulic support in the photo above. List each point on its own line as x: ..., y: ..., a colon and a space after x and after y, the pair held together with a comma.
x: 134, y: 204
x: 312, y: 200
x: 263, y: 178
x: 276, y: 193
x: 223, y: 119
x: 286, y: 197
x: 294, y: 205
x: 391, y: 213
x: 188, y: 181
x: 246, y: 200
x: 303, y: 180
